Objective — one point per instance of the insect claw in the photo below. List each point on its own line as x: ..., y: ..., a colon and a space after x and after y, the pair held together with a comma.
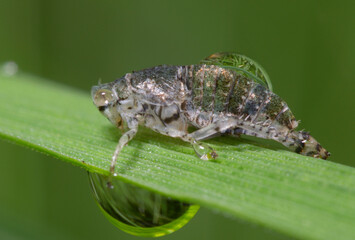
x: 214, y: 155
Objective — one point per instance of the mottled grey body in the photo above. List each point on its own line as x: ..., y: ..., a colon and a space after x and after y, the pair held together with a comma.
x: 169, y: 99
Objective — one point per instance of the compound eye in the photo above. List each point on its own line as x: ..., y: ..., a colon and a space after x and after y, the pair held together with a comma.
x: 103, y: 97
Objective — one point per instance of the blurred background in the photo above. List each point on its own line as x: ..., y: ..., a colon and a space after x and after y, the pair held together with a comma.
x: 307, y: 47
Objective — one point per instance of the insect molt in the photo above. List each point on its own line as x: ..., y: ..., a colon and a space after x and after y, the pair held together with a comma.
x: 226, y: 94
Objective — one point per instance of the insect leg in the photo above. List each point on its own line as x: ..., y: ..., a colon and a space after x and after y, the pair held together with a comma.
x: 215, y: 129
x: 125, y: 138
x: 203, y: 150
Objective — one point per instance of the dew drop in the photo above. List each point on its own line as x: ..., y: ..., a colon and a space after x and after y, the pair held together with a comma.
x: 241, y: 64
x: 138, y: 211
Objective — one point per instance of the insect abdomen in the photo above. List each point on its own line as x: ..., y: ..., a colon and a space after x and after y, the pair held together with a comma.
x: 211, y: 88
x: 217, y: 90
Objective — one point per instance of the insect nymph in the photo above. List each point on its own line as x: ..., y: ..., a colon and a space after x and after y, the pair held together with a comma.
x: 216, y: 100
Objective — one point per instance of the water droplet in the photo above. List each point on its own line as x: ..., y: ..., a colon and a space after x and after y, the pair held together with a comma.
x: 9, y: 68
x: 138, y: 211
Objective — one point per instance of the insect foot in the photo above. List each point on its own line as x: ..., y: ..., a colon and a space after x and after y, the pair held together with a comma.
x: 203, y: 151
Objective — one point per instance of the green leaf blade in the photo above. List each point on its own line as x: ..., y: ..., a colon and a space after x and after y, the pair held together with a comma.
x: 300, y: 196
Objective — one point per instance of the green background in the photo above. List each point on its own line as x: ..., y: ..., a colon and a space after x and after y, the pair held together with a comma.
x: 307, y: 47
